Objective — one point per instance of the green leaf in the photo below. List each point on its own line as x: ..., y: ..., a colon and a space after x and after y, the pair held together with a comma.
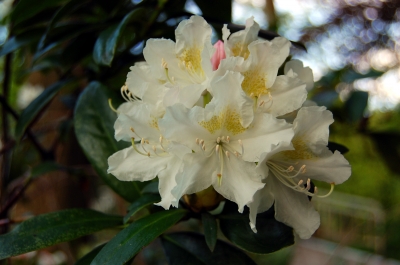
x: 52, y: 228
x: 210, y: 229
x: 335, y: 146
x: 88, y: 258
x: 106, y: 44
x: 355, y: 105
x: 21, y: 40
x: 26, y: 9
x: 139, y: 234
x: 142, y: 202
x: 151, y: 187
x: 37, y: 105
x: 190, y: 249
x: 69, y: 7
x: 94, y: 121
x: 271, y: 235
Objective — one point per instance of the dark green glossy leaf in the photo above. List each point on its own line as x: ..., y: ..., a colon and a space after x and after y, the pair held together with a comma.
x: 69, y: 7
x: 26, y: 9
x: 88, y: 258
x: 142, y: 202
x: 190, y: 249
x: 44, y: 168
x: 106, y: 44
x: 355, y: 105
x: 139, y: 234
x: 94, y: 121
x: 210, y: 229
x: 37, y: 105
x: 52, y: 228
x: 151, y: 187
x: 271, y: 235
x: 21, y: 40
x: 335, y: 146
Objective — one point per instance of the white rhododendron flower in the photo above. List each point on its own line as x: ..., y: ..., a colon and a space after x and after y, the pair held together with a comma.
x: 288, y: 169
x: 226, y: 137
x: 200, y: 116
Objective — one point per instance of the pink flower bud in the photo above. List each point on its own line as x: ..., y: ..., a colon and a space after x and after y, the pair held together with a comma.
x: 218, y: 55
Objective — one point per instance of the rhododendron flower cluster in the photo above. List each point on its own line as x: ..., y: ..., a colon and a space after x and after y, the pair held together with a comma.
x: 200, y: 115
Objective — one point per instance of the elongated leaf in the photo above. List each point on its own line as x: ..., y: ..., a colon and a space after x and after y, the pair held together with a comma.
x: 94, y: 130
x: 210, y: 229
x: 271, y: 235
x: 21, y: 40
x: 190, y: 248
x: 106, y: 44
x: 26, y: 9
x: 88, y: 258
x: 69, y: 7
x: 139, y: 234
x: 52, y: 228
x: 142, y: 202
x: 37, y: 105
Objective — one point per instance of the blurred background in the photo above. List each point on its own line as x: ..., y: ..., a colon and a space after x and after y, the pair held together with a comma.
x: 352, y: 46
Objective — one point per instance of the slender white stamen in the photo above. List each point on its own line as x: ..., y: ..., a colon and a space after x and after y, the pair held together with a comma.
x: 161, y: 143
x: 300, y: 182
x: 308, y: 186
x: 227, y: 154
x: 134, y: 147
x: 164, y: 63
x: 197, y: 141
x: 228, y: 139
x: 218, y: 140
x: 236, y: 153
x: 111, y: 106
x: 132, y: 130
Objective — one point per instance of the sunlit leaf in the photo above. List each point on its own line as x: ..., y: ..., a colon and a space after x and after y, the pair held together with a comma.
x: 94, y: 121
x: 271, y: 235
x: 52, y: 228
x: 190, y: 248
x: 106, y: 44
x: 139, y: 234
x: 210, y: 229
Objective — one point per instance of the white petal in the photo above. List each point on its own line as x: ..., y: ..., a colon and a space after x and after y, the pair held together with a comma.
x: 122, y: 124
x: 129, y: 165
x: 167, y: 182
x: 140, y: 119
x: 294, y: 209
x: 196, y: 175
x: 262, y: 133
x: 331, y: 168
x: 239, y: 182
x: 238, y: 42
x: 155, y: 51
x: 186, y: 95
x: 288, y: 94
x: 267, y: 57
x: 312, y: 126
x: 262, y: 201
x: 304, y: 73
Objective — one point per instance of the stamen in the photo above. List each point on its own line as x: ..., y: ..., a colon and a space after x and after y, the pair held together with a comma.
x: 164, y: 63
x: 135, y: 132
x: 308, y: 186
x: 236, y: 153
x: 228, y: 139
x: 219, y: 179
x: 326, y: 195
x: 300, y: 182
x: 134, y: 147
x: 218, y: 140
x: 227, y: 154
x: 217, y: 148
x: 197, y: 141
x: 161, y: 144
x: 111, y: 106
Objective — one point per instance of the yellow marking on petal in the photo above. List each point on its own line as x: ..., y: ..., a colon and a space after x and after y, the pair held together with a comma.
x: 191, y: 59
x: 254, y: 83
x: 229, y: 119
x: 301, y: 152
x: 240, y: 49
x: 154, y: 123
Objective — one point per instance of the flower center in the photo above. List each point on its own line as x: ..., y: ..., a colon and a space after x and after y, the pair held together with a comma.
x: 301, y: 152
x: 190, y: 60
x: 222, y: 149
x: 254, y: 83
x: 240, y: 49
x: 228, y: 119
